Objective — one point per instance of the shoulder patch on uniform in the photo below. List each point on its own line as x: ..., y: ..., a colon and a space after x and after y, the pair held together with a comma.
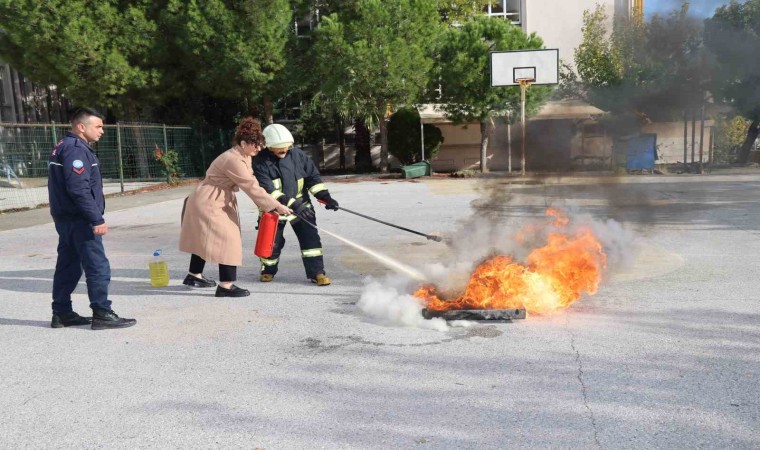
x: 78, y: 166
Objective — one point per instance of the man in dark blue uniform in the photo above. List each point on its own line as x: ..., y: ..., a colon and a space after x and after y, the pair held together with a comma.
x: 289, y: 175
x: 77, y: 204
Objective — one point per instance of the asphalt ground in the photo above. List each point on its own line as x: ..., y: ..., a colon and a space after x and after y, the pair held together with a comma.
x: 34, y: 192
x: 665, y: 355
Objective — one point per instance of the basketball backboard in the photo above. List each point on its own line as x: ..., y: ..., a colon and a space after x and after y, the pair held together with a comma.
x: 540, y: 66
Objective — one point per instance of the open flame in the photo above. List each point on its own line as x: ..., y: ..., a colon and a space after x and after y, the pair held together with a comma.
x: 553, y: 277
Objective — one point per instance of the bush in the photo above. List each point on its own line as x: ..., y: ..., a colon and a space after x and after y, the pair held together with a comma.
x: 169, y: 160
x: 730, y: 134
x: 404, y: 137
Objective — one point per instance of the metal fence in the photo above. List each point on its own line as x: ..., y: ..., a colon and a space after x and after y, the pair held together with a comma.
x: 125, y: 151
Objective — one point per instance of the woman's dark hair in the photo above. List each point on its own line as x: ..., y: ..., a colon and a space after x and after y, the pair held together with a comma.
x: 249, y: 130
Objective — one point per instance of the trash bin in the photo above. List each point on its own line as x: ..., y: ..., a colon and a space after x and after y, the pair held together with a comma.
x: 416, y: 170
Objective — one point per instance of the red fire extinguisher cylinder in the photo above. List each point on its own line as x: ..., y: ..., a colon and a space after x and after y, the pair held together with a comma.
x: 267, y: 232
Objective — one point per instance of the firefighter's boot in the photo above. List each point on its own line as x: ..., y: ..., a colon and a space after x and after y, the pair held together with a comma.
x: 321, y: 280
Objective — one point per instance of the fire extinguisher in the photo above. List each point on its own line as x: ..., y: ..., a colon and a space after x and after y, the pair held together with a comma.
x: 267, y: 232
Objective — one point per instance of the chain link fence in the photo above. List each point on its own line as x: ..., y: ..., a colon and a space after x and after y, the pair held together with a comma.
x: 125, y: 151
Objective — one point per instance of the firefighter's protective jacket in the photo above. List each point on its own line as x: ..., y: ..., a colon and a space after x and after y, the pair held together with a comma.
x: 75, y: 186
x: 291, y: 178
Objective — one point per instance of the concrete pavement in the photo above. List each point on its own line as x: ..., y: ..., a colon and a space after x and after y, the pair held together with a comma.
x: 665, y: 355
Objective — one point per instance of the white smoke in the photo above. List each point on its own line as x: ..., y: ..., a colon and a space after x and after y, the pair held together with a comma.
x: 389, y: 302
x: 618, y: 241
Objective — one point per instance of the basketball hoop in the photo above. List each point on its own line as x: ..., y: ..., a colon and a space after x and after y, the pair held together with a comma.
x: 525, y: 81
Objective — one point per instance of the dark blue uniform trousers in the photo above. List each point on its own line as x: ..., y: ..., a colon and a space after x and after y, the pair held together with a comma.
x: 308, y: 238
x: 79, y: 248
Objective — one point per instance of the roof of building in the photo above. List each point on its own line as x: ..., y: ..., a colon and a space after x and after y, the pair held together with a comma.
x: 567, y: 109
x: 553, y: 110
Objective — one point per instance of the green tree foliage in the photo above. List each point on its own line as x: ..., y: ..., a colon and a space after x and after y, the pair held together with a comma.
x: 642, y: 70
x: 733, y: 36
x: 404, y: 137
x: 374, y: 54
x: 596, y: 60
x: 222, y: 48
x: 136, y: 56
x: 96, y: 52
x: 465, y: 74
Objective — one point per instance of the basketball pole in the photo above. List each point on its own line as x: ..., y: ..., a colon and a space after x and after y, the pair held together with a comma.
x: 524, y: 84
x: 509, y: 141
x: 524, y: 68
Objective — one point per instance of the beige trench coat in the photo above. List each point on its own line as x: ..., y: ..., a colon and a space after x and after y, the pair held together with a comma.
x: 211, y: 223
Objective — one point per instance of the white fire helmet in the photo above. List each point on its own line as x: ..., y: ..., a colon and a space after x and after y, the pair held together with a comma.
x: 277, y: 136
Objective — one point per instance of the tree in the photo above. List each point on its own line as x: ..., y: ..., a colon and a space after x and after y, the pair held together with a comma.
x: 467, y: 94
x: 374, y: 56
x: 222, y: 48
x: 141, y: 57
x: 733, y: 36
x: 641, y: 70
x: 596, y: 60
x: 95, y: 52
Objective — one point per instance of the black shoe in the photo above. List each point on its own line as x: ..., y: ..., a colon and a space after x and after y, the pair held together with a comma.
x: 234, y: 291
x: 69, y: 319
x: 202, y: 282
x: 103, y: 319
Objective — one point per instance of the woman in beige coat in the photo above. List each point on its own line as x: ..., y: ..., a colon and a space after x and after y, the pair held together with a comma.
x: 210, y: 221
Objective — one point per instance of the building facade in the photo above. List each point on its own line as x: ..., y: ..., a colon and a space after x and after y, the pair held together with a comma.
x: 559, y: 22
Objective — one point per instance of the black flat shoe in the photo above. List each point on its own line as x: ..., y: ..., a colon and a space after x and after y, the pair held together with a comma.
x: 234, y: 291
x: 202, y: 282
x: 70, y: 319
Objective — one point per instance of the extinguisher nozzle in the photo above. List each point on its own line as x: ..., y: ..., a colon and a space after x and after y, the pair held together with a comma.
x: 433, y: 237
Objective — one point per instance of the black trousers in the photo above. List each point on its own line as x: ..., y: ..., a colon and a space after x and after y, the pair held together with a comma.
x: 226, y: 273
x: 311, y: 249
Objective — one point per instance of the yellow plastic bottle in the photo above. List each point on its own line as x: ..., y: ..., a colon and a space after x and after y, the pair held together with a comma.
x: 159, y: 271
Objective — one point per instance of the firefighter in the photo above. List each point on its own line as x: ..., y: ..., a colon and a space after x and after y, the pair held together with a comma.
x: 289, y: 176
x: 77, y: 204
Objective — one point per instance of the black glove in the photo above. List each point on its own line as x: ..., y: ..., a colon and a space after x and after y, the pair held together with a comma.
x: 303, y: 210
x: 330, y: 203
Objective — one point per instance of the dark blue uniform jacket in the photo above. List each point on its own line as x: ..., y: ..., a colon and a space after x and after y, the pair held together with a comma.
x: 75, y: 186
x: 290, y: 178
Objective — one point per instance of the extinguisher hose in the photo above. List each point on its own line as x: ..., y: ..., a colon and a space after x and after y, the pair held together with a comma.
x: 430, y: 237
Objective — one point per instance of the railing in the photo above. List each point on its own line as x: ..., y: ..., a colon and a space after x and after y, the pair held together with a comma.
x: 125, y: 151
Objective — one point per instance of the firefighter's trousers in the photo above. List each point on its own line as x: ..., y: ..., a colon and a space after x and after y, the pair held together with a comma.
x: 311, y: 249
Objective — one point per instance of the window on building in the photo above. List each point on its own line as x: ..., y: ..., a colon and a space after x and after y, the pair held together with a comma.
x: 505, y: 9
